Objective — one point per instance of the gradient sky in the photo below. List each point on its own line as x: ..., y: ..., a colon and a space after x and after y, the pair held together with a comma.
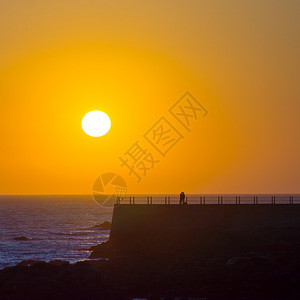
x: 60, y: 59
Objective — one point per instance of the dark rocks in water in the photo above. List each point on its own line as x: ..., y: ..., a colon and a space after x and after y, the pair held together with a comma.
x: 29, y: 262
x: 59, y: 262
x: 42, y: 280
x: 104, y: 226
x: 227, y: 273
x: 21, y: 238
x: 92, y: 248
x: 102, y: 250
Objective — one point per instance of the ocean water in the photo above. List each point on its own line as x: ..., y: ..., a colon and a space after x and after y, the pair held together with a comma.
x: 59, y: 227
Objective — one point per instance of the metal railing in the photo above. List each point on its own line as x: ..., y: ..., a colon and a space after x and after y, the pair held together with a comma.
x: 210, y: 199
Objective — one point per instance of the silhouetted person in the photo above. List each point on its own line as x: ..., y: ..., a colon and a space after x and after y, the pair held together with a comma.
x: 182, y: 198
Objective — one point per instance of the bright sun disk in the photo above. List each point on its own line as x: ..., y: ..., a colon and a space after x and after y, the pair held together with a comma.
x: 96, y: 123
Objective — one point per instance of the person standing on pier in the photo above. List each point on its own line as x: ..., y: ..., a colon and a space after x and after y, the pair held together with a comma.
x: 182, y: 198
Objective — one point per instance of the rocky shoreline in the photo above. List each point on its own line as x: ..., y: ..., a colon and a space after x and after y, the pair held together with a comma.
x: 217, y: 263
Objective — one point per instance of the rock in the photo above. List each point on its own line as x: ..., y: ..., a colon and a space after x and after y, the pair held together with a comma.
x: 58, y: 262
x: 29, y: 262
x: 92, y: 248
x: 21, y: 238
x: 84, y: 273
x: 55, y: 280
x: 101, y: 251
x: 104, y: 226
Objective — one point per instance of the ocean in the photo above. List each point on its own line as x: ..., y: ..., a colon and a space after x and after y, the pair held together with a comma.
x: 58, y: 227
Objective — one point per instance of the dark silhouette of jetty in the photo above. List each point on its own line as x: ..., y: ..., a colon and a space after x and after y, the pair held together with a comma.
x: 218, y: 247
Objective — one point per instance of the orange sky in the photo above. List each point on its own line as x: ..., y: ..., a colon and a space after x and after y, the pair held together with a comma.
x: 134, y: 60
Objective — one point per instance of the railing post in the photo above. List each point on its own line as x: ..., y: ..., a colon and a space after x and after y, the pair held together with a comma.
x: 132, y: 200
x: 221, y: 199
x: 169, y: 200
x: 273, y: 199
x: 204, y: 200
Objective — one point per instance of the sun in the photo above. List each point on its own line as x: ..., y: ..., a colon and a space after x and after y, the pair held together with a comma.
x: 96, y: 123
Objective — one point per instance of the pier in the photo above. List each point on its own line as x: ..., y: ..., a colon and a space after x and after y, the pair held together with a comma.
x: 193, y: 199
